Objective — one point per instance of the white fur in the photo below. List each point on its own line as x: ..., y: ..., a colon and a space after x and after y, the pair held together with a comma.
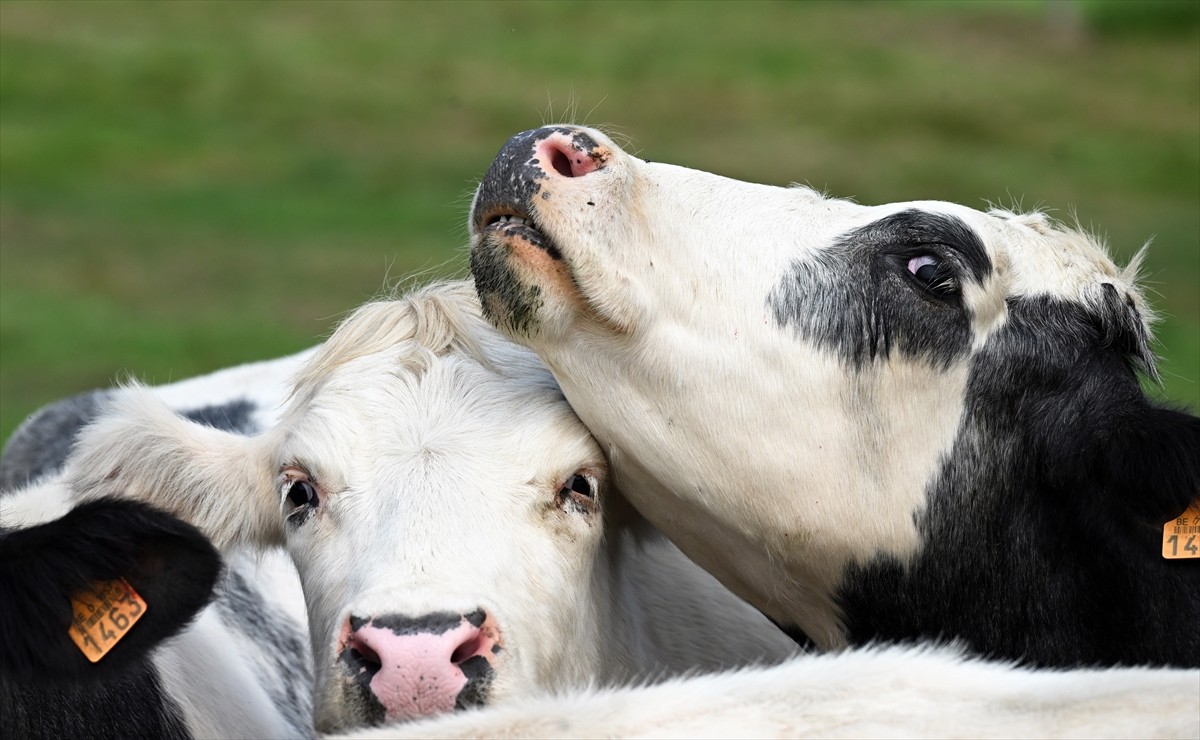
x: 206, y: 670
x: 439, y: 449
x: 866, y: 693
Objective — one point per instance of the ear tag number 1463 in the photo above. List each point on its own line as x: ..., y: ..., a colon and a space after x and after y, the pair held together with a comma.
x: 102, y: 615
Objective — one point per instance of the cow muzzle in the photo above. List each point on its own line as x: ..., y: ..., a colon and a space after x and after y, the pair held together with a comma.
x: 525, y: 165
x: 398, y: 667
x: 520, y: 268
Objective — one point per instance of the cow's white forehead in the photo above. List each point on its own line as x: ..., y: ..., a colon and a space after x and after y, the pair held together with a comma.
x: 1033, y: 254
x: 439, y: 380
x: 438, y: 321
x: 1037, y: 255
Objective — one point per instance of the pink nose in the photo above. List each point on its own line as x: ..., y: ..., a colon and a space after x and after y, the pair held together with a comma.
x: 569, y: 158
x: 421, y: 666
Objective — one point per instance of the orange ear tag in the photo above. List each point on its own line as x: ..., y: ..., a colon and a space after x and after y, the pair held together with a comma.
x: 1181, y: 535
x: 103, y: 615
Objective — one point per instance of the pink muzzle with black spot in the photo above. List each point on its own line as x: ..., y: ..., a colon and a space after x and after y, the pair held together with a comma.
x: 420, y: 666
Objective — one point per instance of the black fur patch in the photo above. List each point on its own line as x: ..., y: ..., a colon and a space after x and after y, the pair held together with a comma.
x: 360, y: 700
x: 516, y: 175
x: 434, y: 623
x: 479, y: 675
x: 1041, y: 540
x: 233, y: 416
x: 508, y: 301
x: 857, y: 299
x: 131, y: 704
x: 509, y: 187
x: 170, y: 563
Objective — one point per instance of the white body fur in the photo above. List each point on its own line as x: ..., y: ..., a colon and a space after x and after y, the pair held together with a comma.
x: 865, y: 693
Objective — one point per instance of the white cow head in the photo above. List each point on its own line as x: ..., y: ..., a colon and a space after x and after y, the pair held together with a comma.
x: 779, y: 379
x: 438, y: 497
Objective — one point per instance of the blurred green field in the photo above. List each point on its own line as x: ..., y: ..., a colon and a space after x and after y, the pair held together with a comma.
x: 186, y: 186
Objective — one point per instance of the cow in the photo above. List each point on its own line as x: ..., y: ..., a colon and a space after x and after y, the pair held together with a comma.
x: 898, y: 423
x: 238, y: 669
x: 242, y: 669
x: 450, y: 518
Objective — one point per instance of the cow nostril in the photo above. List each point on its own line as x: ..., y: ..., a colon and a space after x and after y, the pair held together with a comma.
x: 468, y: 649
x: 363, y: 655
x: 561, y: 163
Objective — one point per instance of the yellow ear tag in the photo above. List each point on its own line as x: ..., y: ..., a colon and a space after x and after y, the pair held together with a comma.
x: 103, y: 615
x: 1181, y: 535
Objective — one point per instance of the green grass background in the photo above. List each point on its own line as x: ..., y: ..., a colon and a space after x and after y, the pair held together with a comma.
x: 186, y: 186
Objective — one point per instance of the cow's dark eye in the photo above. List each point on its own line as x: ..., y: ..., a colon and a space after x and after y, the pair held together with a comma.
x: 302, y: 493
x: 578, y: 493
x: 934, y: 275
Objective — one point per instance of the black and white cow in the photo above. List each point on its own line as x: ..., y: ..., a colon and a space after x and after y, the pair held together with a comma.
x: 48, y: 687
x: 914, y: 421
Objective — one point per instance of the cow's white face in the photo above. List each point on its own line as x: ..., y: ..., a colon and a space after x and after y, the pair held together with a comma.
x: 441, y: 502
x: 444, y: 523
x: 769, y: 369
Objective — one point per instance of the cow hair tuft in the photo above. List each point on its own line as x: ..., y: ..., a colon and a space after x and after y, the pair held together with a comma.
x: 433, y: 320
x: 1118, y: 306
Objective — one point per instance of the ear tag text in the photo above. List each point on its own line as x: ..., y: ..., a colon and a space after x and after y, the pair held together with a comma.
x: 1181, y: 535
x: 102, y: 615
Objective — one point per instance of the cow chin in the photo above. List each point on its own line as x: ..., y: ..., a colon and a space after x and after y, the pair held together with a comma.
x: 523, y: 289
x: 350, y: 703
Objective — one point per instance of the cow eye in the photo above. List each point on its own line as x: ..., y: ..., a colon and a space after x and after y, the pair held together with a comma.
x: 581, y: 485
x: 302, y: 497
x: 933, y: 274
x: 578, y: 492
x: 302, y: 493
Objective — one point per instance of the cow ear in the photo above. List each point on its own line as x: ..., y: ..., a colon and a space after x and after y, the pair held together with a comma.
x: 1152, y: 458
x: 170, y: 565
x: 221, y: 482
x: 1112, y: 452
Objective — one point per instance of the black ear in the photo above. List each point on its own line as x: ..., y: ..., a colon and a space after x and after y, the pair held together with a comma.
x: 1110, y: 450
x: 1153, y: 457
x: 170, y: 564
